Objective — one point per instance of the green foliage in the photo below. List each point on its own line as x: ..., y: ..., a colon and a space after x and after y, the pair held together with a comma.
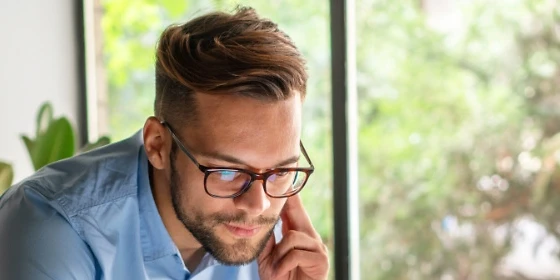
x: 102, y: 141
x: 6, y: 176
x: 456, y: 135
x: 54, y: 140
x: 130, y: 32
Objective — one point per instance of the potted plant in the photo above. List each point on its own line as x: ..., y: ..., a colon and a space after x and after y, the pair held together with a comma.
x: 54, y: 140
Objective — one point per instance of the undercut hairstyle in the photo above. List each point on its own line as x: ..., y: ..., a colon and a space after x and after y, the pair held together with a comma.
x: 221, y: 53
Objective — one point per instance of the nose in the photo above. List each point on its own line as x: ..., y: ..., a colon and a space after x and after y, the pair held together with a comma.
x: 255, y: 201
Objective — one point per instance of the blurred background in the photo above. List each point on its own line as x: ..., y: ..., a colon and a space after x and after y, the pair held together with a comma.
x: 457, y: 120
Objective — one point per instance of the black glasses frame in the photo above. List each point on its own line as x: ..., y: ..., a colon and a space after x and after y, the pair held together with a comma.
x: 254, y: 175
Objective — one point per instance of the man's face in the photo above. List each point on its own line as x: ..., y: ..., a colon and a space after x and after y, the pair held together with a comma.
x: 239, y: 132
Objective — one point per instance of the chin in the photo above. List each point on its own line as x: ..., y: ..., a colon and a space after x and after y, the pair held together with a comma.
x: 240, y: 251
x: 238, y: 254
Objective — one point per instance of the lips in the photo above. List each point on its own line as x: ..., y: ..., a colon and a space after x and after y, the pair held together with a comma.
x: 242, y: 231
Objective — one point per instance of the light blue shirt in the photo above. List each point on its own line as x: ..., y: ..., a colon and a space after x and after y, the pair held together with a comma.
x: 94, y: 217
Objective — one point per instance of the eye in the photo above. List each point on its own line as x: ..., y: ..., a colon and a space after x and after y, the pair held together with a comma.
x: 228, y: 175
x: 280, y: 175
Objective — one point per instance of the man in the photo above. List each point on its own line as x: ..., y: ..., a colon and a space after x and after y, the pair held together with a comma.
x: 207, y: 190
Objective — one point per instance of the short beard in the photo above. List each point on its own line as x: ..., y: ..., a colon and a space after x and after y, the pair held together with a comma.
x: 204, y: 233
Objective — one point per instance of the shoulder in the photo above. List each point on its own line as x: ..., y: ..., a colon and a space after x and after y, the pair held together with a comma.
x: 43, y: 217
x: 87, y: 180
x: 36, y: 242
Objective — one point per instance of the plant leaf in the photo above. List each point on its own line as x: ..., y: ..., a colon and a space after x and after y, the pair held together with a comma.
x: 102, y: 141
x: 55, y: 144
x: 30, y: 145
x: 44, y: 118
x: 6, y: 176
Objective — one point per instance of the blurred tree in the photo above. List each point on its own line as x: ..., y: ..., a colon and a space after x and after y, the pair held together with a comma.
x: 457, y: 135
x: 130, y: 30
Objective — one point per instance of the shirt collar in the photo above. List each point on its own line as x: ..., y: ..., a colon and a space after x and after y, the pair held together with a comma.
x: 156, y: 242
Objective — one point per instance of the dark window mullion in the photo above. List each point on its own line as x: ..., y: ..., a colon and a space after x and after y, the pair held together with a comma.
x: 82, y: 119
x: 346, y: 254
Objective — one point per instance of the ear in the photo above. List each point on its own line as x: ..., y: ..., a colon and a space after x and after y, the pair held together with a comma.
x: 156, y: 144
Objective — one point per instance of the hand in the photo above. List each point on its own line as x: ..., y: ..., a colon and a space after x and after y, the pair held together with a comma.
x: 300, y: 254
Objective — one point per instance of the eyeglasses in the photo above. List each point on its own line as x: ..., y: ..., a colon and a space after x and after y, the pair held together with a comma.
x: 226, y: 182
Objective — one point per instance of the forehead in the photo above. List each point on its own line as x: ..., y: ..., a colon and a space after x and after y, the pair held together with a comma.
x: 247, y: 128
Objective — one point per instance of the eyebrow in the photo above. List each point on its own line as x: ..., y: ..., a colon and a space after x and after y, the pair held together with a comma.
x: 232, y: 159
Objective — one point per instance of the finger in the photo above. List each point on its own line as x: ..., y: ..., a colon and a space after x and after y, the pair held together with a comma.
x: 285, y: 224
x: 296, y: 218
x: 296, y: 240
x: 313, y: 264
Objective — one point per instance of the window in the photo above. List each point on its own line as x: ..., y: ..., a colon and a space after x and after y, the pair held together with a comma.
x: 456, y: 125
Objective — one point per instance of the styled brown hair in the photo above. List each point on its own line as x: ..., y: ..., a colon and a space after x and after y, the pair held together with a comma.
x: 221, y: 53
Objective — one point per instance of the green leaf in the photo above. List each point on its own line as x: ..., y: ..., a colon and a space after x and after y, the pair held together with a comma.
x: 6, y: 176
x: 175, y: 8
x: 44, y: 117
x: 29, y: 144
x: 55, y: 144
x: 102, y: 141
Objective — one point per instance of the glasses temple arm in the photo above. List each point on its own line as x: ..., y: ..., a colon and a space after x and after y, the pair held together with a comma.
x: 305, y: 154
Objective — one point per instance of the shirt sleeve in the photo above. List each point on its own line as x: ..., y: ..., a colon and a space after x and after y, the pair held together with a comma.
x: 37, y: 242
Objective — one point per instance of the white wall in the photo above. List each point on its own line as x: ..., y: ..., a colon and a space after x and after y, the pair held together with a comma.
x: 38, y: 55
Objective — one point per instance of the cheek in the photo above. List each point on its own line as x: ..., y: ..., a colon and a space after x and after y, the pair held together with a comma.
x: 196, y: 200
x: 194, y: 196
x: 276, y: 205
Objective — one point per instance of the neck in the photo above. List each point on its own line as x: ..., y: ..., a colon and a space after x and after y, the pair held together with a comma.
x: 191, y: 250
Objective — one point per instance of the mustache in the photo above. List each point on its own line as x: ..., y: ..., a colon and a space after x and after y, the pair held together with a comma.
x: 242, y: 219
